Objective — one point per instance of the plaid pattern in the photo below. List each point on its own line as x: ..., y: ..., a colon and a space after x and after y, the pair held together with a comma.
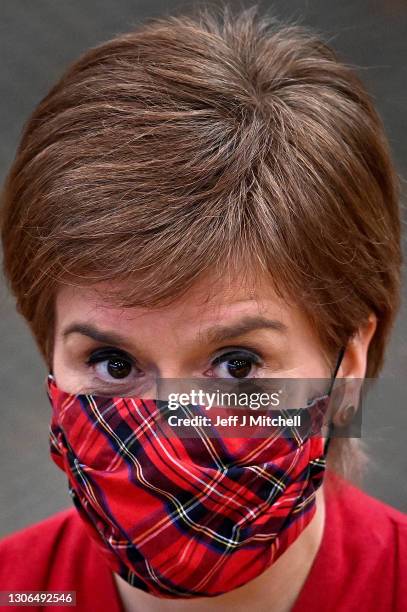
x: 181, y: 518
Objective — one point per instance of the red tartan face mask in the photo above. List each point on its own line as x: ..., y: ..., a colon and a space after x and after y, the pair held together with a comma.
x: 182, y: 518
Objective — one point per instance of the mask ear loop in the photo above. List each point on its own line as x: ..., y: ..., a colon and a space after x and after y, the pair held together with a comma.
x: 331, y: 426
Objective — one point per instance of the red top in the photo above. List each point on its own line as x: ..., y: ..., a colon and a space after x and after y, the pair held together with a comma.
x: 361, y: 563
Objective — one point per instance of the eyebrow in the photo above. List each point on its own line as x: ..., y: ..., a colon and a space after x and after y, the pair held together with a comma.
x: 249, y: 323
x: 219, y: 333
x: 87, y: 329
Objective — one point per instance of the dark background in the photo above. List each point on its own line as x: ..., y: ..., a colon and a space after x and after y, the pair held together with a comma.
x: 38, y: 39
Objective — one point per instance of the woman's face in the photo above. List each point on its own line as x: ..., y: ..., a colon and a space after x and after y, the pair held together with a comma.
x: 234, y: 334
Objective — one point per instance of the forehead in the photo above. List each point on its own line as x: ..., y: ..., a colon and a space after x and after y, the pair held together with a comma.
x: 206, y: 302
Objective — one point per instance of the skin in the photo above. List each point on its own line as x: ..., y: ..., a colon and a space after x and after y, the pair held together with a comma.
x: 172, y: 342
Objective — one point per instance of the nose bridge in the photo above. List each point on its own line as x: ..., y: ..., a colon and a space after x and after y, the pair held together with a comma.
x: 170, y: 363
x: 171, y: 368
x: 171, y: 373
x: 170, y: 350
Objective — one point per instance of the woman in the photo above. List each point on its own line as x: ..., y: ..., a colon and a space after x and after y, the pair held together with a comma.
x: 215, y: 199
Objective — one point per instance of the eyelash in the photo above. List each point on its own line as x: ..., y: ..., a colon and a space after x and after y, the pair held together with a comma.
x: 236, y: 353
x: 107, y: 353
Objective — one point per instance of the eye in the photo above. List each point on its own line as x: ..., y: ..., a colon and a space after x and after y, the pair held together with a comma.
x: 109, y: 364
x: 236, y: 364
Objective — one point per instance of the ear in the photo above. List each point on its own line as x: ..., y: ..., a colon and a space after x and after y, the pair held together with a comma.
x: 354, y: 362
x: 353, y: 370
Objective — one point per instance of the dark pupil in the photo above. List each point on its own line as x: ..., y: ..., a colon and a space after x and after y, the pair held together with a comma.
x: 239, y: 368
x: 118, y: 368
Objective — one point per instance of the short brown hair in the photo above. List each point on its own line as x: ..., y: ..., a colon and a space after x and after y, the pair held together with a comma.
x: 201, y: 142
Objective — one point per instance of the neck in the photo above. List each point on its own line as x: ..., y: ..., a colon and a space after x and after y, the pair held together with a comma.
x: 275, y: 589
